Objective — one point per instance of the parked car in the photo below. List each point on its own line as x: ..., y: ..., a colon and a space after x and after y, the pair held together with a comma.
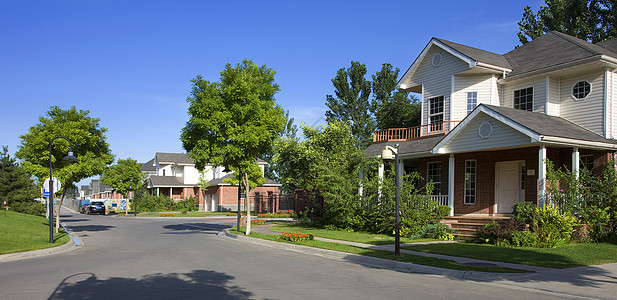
x: 83, y: 208
x: 96, y: 207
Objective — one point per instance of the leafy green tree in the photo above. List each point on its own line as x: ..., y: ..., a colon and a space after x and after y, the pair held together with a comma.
x: 392, y: 108
x: 124, y: 177
x: 15, y: 183
x: 89, y: 146
x: 350, y: 103
x: 290, y: 132
x: 325, y: 163
x: 591, y: 20
x: 234, y: 121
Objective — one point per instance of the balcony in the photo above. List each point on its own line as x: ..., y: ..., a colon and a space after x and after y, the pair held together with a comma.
x: 412, y: 133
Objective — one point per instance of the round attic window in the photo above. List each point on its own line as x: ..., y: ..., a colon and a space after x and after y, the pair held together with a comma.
x: 485, y: 130
x: 436, y: 61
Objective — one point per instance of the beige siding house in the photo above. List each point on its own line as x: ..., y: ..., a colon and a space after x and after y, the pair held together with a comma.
x: 491, y: 121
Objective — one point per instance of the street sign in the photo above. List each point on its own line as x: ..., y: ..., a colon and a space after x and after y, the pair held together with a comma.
x: 56, y: 185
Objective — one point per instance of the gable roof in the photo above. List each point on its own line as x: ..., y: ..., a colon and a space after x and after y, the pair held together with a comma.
x: 611, y: 45
x: 479, y: 54
x: 553, y: 49
x: 174, y: 158
x: 538, y: 126
x: 148, y: 166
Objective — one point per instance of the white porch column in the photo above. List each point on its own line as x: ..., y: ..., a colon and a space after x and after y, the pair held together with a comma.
x: 575, y: 162
x: 158, y: 192
x: 451, y: 184
x: 360, y: 187
x: 380, y: 173
x: 542, y: 176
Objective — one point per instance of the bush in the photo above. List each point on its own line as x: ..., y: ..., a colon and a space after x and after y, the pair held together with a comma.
x: 598, y: 222
x: 524, y: 212
x: 147, y: 202
x: 523, y: 239
x: 188, y: 204
x: 498, y: 232
x: 553, y: 228
x: 29, y: 207
x: 435, y: 231
x: 296, y: 236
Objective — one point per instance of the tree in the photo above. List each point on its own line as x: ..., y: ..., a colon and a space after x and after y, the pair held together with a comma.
x: 591, y: 20
x: 89, y: 146
x: 15, y: 183
x: 325, y: 163
x: 125, y: 176
x: 234, y: 121
x: 350, y: 103
x: 392, y: 108
x: 272, y: 170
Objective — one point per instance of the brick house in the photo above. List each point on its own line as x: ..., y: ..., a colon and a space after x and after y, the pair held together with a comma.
x: 490, y: 121
x: 174, y: 175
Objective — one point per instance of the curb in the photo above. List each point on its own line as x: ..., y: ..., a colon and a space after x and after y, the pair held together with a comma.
x: 371, y: 261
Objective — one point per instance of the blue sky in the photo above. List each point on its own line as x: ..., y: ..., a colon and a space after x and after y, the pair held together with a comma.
x: 130, y: 62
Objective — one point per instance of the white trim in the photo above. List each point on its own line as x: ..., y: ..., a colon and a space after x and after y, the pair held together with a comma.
x: 575, y: 161
x: 555, y: 140
x: 605, y: 98
x: 451, y: 172
x: 475, y: 196
x: 542, y: 176
x: 423, y: 106
x: 547, y: 97
x: 494, y: 67
x: 493, y: 87
x: 451, y: 100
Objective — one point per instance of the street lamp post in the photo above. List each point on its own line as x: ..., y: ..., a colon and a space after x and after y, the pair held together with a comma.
x: 387, y: 154
x: 50, y: 203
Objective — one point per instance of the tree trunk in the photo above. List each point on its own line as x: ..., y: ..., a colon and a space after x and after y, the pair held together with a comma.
x: 58, y: 210
x: 248, y: 203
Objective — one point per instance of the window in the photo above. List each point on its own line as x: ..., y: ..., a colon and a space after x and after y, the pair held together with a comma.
x: 523, y: 99
x: 586, y: 163
x: 434, y: 176
x: 470, y: 182
x: 163, y: 172
x: 436, y: 113
x: 581, y: 89
x: 472, y: 101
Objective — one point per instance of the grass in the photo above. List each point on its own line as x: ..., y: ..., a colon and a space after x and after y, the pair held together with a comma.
x: 408, y: 258
x: 358, y: 237
x: 569, y: 256
x: 20, y: 232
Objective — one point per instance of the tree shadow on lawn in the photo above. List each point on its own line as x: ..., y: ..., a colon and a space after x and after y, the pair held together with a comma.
x: 196, y: 284
x: 193, y: 228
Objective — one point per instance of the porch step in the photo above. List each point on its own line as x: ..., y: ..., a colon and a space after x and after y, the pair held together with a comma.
x: 466, y: 226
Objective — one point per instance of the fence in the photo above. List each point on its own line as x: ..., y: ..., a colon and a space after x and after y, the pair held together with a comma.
x: 271, y: 203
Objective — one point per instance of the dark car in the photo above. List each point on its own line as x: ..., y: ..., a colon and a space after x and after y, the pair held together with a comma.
x: 97, y: 207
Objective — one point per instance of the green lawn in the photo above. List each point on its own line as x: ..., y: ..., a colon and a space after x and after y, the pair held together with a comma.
x: 20, y: 232
x: 415, y: 259
x: 574, y: 255
x: 358, y: 237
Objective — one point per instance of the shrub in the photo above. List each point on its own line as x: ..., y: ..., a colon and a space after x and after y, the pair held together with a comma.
x: 435, y: 231
x: 553, y: 228
x: 524, y: 212
x: 523, y: 239
x: 598, y: 222
x: 258, y: 222
x: 29, y: 207
x: 498, y: 232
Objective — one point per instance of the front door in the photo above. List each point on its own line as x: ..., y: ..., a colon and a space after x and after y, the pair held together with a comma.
x: 507, y: 186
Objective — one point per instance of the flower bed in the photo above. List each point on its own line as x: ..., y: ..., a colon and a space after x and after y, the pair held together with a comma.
x: 258, y: 222
x: 296, y: 236
x: 274, y: 215
x: 166, y: 215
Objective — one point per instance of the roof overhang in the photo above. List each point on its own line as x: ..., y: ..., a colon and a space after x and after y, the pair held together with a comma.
x: 571, y: 66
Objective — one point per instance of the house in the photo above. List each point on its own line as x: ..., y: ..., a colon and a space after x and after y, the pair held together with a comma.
x: 490, y: 121
x: 174, y: 175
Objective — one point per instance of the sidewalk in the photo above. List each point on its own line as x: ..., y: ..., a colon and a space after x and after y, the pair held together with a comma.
x: 590, y: 282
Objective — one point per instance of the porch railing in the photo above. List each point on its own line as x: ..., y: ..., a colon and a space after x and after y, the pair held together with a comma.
x: 441, y: 199
x: 411, y: 133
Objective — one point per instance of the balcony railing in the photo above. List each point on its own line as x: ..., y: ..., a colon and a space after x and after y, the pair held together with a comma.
x: 412, y: 133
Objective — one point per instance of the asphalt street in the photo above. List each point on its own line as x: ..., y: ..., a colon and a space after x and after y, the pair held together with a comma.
x: 176, y: 258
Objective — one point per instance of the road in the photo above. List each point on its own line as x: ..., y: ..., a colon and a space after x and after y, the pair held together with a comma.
x: 174, y: 258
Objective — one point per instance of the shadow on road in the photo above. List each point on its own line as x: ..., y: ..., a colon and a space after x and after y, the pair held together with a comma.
x: 185, y: 228
x: 197, y: 284
x: 81, y: 228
